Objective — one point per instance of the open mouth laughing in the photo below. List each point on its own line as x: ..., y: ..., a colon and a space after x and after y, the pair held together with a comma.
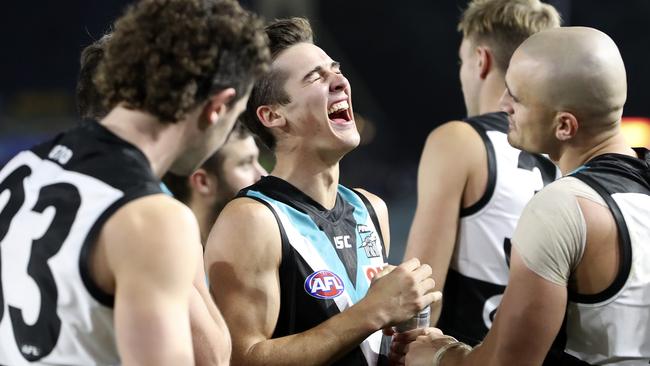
x: 339, y: 112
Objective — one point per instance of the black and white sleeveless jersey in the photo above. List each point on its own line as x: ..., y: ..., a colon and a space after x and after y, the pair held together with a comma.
x: 54, y: 200
x: 328, y: 258
x: 479, y: 268
x: 613, y: 327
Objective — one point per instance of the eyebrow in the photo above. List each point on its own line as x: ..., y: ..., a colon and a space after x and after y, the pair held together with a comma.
x: 319, y: 69
x: 510, y: 93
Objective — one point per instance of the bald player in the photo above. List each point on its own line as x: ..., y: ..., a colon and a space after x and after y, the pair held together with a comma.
x: 580, y: 264
x: 468, y: 208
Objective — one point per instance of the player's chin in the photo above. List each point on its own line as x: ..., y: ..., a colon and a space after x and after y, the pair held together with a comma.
x: 349, y: 138
x: 513, y: 140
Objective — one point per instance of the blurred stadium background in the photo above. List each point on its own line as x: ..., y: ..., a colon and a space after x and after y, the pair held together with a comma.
x: 400, y: 57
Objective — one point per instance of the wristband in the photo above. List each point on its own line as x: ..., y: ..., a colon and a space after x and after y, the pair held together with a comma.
x: 440, y: 353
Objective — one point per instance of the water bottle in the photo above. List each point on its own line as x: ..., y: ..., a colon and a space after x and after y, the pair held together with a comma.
x: 421, y: 320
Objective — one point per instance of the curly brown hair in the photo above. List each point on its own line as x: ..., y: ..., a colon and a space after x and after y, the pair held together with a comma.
x: 167, y: 56
x: 269, y: 89
x: 89, y: 101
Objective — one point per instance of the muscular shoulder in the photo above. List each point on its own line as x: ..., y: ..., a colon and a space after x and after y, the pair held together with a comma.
x: 377, y: 203
x: 154, y: 217
x: 454, y: 154
x: 151, y: 224
x: 551, y: 232
x: 454, y: 135
x: 244, y: 225
x: 244, y: 213
x: 159, y: 210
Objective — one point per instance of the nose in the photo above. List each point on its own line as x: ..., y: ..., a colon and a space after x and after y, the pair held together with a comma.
x: 505, y: 103
x: 339, y: 82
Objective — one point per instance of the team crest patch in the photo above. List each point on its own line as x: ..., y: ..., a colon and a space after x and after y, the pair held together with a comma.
x: 324, y: 285
x: 368, y: 241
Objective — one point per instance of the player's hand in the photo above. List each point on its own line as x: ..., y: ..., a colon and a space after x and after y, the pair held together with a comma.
x: 421, y: 351
x: 388, y: 268
x: 400, y: 343
x: 403, y: 292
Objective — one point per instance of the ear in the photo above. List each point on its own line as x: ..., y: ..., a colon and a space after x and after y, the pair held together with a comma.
x: 201, y: 183
x: 566, y: 126
x: 217, y: 105
x: 269, y: 116
x: 485, y: 61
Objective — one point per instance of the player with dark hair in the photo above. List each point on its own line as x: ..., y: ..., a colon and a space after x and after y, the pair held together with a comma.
x: 291, y: 259
x: 97, y: 264
x: 207, y: 191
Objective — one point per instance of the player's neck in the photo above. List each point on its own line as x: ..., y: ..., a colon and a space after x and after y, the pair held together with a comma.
x: 159, y: 142
x: 490, y: 95
x: 574, y: 155
x: 315, y: 177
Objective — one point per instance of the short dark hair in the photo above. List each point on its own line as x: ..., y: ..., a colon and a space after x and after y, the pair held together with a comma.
x: 269, y: 89
x: 179, y: 185
x: 89, y: 102
x: 167, y: 56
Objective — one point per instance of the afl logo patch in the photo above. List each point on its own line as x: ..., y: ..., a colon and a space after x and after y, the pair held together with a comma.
x: 324, y: 285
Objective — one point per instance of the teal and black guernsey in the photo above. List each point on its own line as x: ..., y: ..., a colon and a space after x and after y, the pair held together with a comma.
x: 328, y: 258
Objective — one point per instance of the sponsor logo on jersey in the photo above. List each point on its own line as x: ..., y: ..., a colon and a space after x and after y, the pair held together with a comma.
x: 372, y: 271
x: 369, y: 241
x: 342, y: 242
x: 324, y: 285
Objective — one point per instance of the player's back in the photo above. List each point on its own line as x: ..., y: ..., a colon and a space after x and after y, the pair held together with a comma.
x: 54, y: 200
x: 479, y: 268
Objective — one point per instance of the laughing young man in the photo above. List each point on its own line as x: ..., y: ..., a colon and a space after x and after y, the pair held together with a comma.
x: 291, y: 260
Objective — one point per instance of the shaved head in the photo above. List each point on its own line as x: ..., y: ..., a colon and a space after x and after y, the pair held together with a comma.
x: 577, y: 70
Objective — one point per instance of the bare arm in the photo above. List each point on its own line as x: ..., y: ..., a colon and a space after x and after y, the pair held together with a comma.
x: 452, y: 153
x: 533, y: 307
x: 210, y: 335
x: 525, y: 326
x: 145, y: 244
x: 243, y: 255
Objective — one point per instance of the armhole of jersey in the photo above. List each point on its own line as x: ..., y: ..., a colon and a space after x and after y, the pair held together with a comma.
x: 91, y: 240
x: 557, y: 354
x: 624, y: 245
x: 374, y: 218
x: 287, y: 255
x: 492, y: 173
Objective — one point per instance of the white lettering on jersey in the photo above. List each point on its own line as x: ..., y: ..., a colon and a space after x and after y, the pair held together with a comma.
x: 60, y: 154
x: 341, y: 241
x: 325, y: 284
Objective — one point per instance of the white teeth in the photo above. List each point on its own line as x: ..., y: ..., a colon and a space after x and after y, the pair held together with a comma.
x: 342, y: 105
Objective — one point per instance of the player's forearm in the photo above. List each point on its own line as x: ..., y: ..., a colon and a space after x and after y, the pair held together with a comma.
x: 320, y: 345
x: 479, y: 356
x: 437, y: 254
x: 210, y: 336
